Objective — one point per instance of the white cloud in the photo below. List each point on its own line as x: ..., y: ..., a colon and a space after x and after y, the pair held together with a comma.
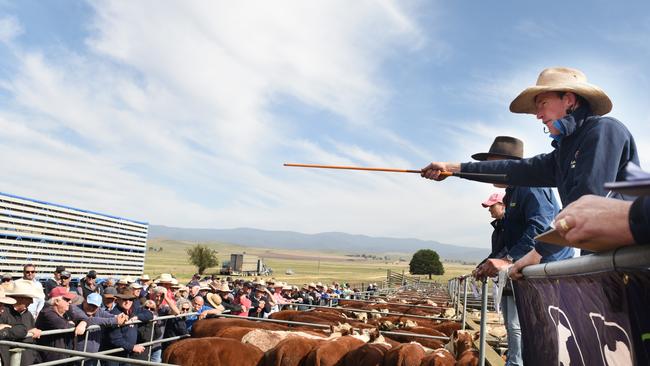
x: 169, y: 120
x: 10, y: 28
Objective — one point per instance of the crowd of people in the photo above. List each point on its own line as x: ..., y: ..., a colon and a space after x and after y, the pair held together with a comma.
x: 589, y: 151
x: 131, y: 311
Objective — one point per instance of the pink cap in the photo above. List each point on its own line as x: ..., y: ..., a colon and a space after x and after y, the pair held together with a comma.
x: 62, y: 291
x: 494, y: 198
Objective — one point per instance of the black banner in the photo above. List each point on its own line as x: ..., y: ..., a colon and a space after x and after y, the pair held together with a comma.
x: 585, y: 320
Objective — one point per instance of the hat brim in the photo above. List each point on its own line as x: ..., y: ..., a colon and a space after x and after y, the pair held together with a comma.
x: 7, y: 300
x: 21, y: 294
x: 599, y: 101
x: 485, y: 155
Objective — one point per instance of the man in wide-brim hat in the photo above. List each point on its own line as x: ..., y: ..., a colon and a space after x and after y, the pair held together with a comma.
x: 23, y: 292
x: 529, y: 211
x: 589, y: 149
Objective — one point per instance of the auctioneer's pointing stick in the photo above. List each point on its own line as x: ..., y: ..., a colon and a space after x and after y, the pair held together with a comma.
x: 488, y: 178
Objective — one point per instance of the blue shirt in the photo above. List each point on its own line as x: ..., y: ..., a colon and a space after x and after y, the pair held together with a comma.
x: 530, y: 212
x: 190, y: 320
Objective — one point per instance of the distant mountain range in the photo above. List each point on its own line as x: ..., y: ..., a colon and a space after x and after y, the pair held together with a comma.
x: 342, y: 242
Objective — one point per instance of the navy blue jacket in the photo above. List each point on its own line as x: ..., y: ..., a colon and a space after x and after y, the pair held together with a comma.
x: 593, y: 152
x: 498, y: 250
x: 530, y: 212
x: 126, y: 336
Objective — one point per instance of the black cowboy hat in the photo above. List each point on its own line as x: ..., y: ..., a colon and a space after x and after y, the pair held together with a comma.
x: 505, y: 147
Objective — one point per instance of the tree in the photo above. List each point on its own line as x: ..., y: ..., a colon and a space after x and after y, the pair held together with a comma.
x: 202, y: 257
x: 426, y: 261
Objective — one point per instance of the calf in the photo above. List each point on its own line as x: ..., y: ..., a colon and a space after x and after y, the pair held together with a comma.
x: 426, y: 342
x: 408, y: 354
x: 439, y: 357
x: 370, y: 354
x: 290, y: 352
x: 267, y: 339
x: 212, y: 351
x: 210, y: 327
x: 332, y: 352
x: 462, y: 346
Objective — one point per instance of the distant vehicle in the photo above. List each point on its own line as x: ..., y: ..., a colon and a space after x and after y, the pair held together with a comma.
x: 289, y: 271
x: 245, y: 265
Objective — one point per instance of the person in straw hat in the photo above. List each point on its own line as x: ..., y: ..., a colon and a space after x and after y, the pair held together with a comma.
x: 529, y: 212
x: 17, y: 315
x: 8, y: 332
x: 589, y: 149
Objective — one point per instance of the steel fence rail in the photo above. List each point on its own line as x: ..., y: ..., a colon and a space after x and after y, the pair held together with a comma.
x: 108, y: 352
x: 629, y: 257
x: 390, y: 332
x: 377, y: 311
x: 76, y: 353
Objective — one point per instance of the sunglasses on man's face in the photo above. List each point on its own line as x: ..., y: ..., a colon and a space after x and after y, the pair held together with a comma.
x: 27, y: 272
x: 185, y: 309
x: 151, y: 309
x: 6, y: 280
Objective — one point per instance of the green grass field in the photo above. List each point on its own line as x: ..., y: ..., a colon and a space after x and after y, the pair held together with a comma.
x: 308, y: 266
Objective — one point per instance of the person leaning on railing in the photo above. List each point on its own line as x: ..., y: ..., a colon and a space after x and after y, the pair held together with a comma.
x: 8, y: 332
x: 176, y: 326
x: 589, y: 149
x: 148, y: 331
x: 57, y: 315
x: 24, y: 292
x: 90, y: 311
x: 126, y: 336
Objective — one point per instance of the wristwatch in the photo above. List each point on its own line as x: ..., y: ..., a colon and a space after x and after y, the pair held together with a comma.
x: 510, y: 259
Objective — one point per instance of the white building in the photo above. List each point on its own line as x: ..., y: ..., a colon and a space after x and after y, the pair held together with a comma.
x: 49, y: 235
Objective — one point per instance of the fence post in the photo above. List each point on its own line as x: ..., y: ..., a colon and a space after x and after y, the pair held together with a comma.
x: 457, y: 295
x: 16, y: 356
x: 153, y: 331
x: 464, y: 303
x: 484, y: 298
x: 85, y: 345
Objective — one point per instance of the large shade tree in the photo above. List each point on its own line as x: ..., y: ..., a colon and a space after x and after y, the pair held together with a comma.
x: 202, y: 257
x: 426, y: 261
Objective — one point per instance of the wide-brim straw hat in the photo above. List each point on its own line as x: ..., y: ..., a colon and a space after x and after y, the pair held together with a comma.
x: 562, y: 79
x: 145, y: 277
x: 224, y: 288
x: 505, y: 147
x: 165, y: 278
x: 214, y: 300
x: 6, y: 300
x: 25, y: 288
x: 204, y: 286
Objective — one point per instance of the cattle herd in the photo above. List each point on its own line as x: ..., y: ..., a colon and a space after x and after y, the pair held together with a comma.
x: 406, y: 328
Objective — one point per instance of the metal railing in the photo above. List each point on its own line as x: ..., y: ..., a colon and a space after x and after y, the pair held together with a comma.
x: 19, y: 347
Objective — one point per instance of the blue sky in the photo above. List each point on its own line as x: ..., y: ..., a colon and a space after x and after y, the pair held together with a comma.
x: 182, y: 113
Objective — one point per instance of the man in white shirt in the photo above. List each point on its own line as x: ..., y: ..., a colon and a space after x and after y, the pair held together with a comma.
x: 29, y: 274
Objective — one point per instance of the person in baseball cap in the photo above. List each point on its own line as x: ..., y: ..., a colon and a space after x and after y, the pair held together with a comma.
x: 52, y: 318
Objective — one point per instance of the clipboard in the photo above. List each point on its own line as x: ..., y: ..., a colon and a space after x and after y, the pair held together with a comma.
x: 553, y: 237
